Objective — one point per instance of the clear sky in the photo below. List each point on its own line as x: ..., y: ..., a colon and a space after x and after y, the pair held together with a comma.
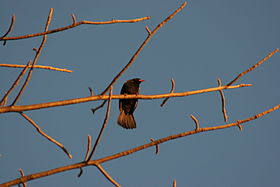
x: 207, y: 40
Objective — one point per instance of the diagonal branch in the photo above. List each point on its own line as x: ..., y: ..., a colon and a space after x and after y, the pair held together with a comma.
x: 4, y: 99
x: 253, y: 67
x: 103, y: 126
x: 38, y: 52
x: 150, y: 35
x: 44, y: 134
x: 136, y: 149
x: 35, y: 66
x: 21, y: 108
x: 74, y: 24
x: 107, y: 175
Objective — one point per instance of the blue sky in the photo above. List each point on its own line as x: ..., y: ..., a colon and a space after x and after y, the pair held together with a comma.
x: 207, y: 40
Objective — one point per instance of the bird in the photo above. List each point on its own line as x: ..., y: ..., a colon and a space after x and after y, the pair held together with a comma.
x: 127, y: 106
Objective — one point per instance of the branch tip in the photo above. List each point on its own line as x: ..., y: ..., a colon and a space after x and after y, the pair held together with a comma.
x: 196, y: 122
x: 156, y: 145
x: 9, y: 29
x: 148, y: 30
x: 171, y: 91
x: 73, y: 19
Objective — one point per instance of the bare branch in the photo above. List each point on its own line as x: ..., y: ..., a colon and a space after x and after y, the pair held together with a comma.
x: 253, y: 67
x: 5, y: 98
x: 91, y: 91
x: 44, y: 134
x: 103, y: 126
x: 224, y: 111
x: 107, y: 175
x: 136, y: 149
x: 22, y: 174
x: 20, y: 108
x: 148, y: 30
x: 74, y: 24
x: 87, y: 154
x: 98, y: 107
x: 171, y: 91
x: 9, y: 30
x: 142, y: 46
x: 73, y: 19
x: 196, y: 122
x: 35, y: 66
x: 38, y: 52
x: 174, y: 183
x: 157, y: 146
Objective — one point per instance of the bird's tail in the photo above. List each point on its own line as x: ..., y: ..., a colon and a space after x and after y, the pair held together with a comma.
x: 127, y: 121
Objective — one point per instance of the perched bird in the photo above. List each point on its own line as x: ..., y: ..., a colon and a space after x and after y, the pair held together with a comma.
x: 127, y: 106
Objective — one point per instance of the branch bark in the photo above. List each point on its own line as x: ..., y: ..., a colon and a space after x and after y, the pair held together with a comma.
x: 35, y: 66
x: 134, y: 150
x: 74, y: 24
x: 21, y: 108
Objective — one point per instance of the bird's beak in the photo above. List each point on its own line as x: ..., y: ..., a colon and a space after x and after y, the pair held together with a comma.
x: 141, y: 80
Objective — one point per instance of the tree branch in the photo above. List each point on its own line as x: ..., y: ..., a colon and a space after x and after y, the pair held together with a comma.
x: 103, y: 126
x: 21, y: 108
x: 131, y: 151
x: 107, y: 175
x: 253, y: 67
x: 5, y: 98
x: 44, y: 134
x: 38, y: 52
x: 35, y: 66
x: 223, y: 100
x: 9, y: 30
x: 74, y: 24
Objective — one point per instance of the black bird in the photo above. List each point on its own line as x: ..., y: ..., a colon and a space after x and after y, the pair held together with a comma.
x: 127, y: 106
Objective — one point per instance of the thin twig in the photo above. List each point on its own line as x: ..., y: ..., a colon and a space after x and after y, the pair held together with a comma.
x: 35, y: 58
x: 107, y: 175
x: 133, y: 150
x: 157, y: 146
x: 75, y: 24
x: 35, y: 66
x: 44, y: 134
x: 239, y: 125
x: 20, y: 108
x: 174, y: 183
x: 91, y: 91
x: 142, y: 46
x: 103, y: 126
x: 253, y: 67
x: 98, y: 107
x: 148, y: 30
x: 9, y: 30
x: 73, y: 19
x: 223, y: 100
x: 5, y: 98
x: 171, y: 91
x: 196, y: 122
x: 87, y: 154
x: 22, y: 174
